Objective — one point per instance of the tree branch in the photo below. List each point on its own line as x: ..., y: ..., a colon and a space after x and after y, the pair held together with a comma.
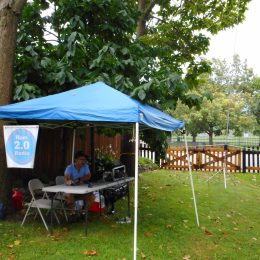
x: 145, y: 16
x: 157, y: 18
x: 52, y: 41
x: 49, y: 32
x: 148, y: 10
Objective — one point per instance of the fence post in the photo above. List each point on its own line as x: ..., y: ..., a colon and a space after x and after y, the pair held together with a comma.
x: 253, y: 157
x: 244, y: 160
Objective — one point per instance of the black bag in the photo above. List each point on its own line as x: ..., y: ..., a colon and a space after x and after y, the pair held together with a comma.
x: 2, y: 211
x: 113, y: 194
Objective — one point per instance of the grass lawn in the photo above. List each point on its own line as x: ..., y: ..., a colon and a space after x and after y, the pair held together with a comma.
x: 229, y: 224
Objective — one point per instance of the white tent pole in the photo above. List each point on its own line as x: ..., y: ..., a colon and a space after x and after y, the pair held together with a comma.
x: 225, y: 166
x: 73, y: 145
x: 191, y: 179
x: 225, y: 154
x: 136, y: 186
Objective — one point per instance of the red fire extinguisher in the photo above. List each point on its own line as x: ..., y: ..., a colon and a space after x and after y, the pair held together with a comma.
x: 17, y: 198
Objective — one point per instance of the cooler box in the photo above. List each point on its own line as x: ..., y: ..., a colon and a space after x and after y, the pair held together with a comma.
x: 98, y: 206
x: 17, y: 198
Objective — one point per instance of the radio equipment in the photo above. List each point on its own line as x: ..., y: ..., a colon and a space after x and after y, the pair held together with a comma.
x: 117, y: 173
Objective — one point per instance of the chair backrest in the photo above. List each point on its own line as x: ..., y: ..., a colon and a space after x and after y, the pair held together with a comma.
x: 59, y: 180
x: 35, y: 184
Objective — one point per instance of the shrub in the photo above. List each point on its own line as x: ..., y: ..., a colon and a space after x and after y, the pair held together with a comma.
x: 146, y: 165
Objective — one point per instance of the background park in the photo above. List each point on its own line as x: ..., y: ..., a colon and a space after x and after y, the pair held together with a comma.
x: 153, y: 51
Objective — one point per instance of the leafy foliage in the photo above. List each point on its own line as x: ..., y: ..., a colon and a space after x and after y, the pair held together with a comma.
x: 26, y: 91
x: 70, y: 43
x: 231, y: 94
x: 254, y: 104
x: 146, y: 164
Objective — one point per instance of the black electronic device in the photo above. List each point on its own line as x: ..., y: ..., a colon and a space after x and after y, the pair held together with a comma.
x: 117, y: 173
x: 90, y: 185
x: 107, y: 176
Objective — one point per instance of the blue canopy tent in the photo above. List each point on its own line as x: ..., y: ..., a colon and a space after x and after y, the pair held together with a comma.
x: 97, y: 104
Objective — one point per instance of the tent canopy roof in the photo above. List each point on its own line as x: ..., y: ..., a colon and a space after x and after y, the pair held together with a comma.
x: 96, y: 103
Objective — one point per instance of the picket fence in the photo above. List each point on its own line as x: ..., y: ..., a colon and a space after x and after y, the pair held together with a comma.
x: 146, y: 152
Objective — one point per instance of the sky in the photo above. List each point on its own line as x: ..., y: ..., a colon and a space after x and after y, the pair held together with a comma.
x: 243, y: 39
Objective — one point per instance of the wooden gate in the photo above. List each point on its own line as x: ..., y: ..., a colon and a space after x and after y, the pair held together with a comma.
x: 203, y: 158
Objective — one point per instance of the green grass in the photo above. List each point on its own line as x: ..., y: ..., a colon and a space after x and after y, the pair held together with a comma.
x: 229, y: 224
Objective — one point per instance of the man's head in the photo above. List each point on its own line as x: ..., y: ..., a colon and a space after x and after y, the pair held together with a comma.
x: 80, y: 158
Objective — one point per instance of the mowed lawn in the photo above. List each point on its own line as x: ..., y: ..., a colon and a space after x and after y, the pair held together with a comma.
x: 167, y: 229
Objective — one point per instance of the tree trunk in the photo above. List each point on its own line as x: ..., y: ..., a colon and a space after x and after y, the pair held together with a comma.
x: 194, y: 138
x: 141, y: 22
x: 9, y: 14
x: 128, y: 148
x: 210, y: 138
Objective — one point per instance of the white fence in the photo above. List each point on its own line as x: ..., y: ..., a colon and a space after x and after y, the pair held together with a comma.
x: 146, y: 152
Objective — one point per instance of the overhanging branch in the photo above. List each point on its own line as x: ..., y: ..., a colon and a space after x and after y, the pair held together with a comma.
x: 148, y: 10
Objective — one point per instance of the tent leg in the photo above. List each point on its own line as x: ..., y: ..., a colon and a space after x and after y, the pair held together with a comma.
x: 191, y: 180
x: 136, y: 186
x: 225, y: 166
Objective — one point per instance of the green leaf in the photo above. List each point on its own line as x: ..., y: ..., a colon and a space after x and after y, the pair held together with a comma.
x: 28, y: 48
x: 71, y: 38
x: 44, y: 62
x: 125, y: 51
x: 118, y: 78
x: 112, y: 51
x: 25, y: 96
x: 141, y: 94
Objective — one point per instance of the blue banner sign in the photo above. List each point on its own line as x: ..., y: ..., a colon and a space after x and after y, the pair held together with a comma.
x: 20, y: 145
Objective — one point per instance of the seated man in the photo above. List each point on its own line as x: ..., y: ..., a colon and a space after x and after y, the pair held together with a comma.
x: 76, y: 173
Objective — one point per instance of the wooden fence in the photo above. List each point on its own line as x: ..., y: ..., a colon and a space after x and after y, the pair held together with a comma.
x: 213, y: 159
x: 251, y: 160
x: 146, y: 152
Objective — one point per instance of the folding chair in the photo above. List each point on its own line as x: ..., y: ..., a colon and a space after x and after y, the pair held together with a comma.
x: 59, y: 180
x: 61, y: 196
x: 35, y: 185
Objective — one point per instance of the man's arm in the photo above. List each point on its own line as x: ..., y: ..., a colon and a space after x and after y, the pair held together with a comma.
x: 68, y: 180
x: 85, y: 177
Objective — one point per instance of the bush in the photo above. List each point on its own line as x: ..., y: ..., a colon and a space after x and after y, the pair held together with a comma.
x: 146, y: 165
x: 105, y: 158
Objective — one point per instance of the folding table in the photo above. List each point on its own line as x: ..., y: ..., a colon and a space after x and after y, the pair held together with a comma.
x: 84, y: 189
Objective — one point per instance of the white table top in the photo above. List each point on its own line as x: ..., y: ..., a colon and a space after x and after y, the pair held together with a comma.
x: 84, y: 188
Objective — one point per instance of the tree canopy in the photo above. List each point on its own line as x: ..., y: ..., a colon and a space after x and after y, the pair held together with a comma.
x: 150, y: 49
x: 232, y: 97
